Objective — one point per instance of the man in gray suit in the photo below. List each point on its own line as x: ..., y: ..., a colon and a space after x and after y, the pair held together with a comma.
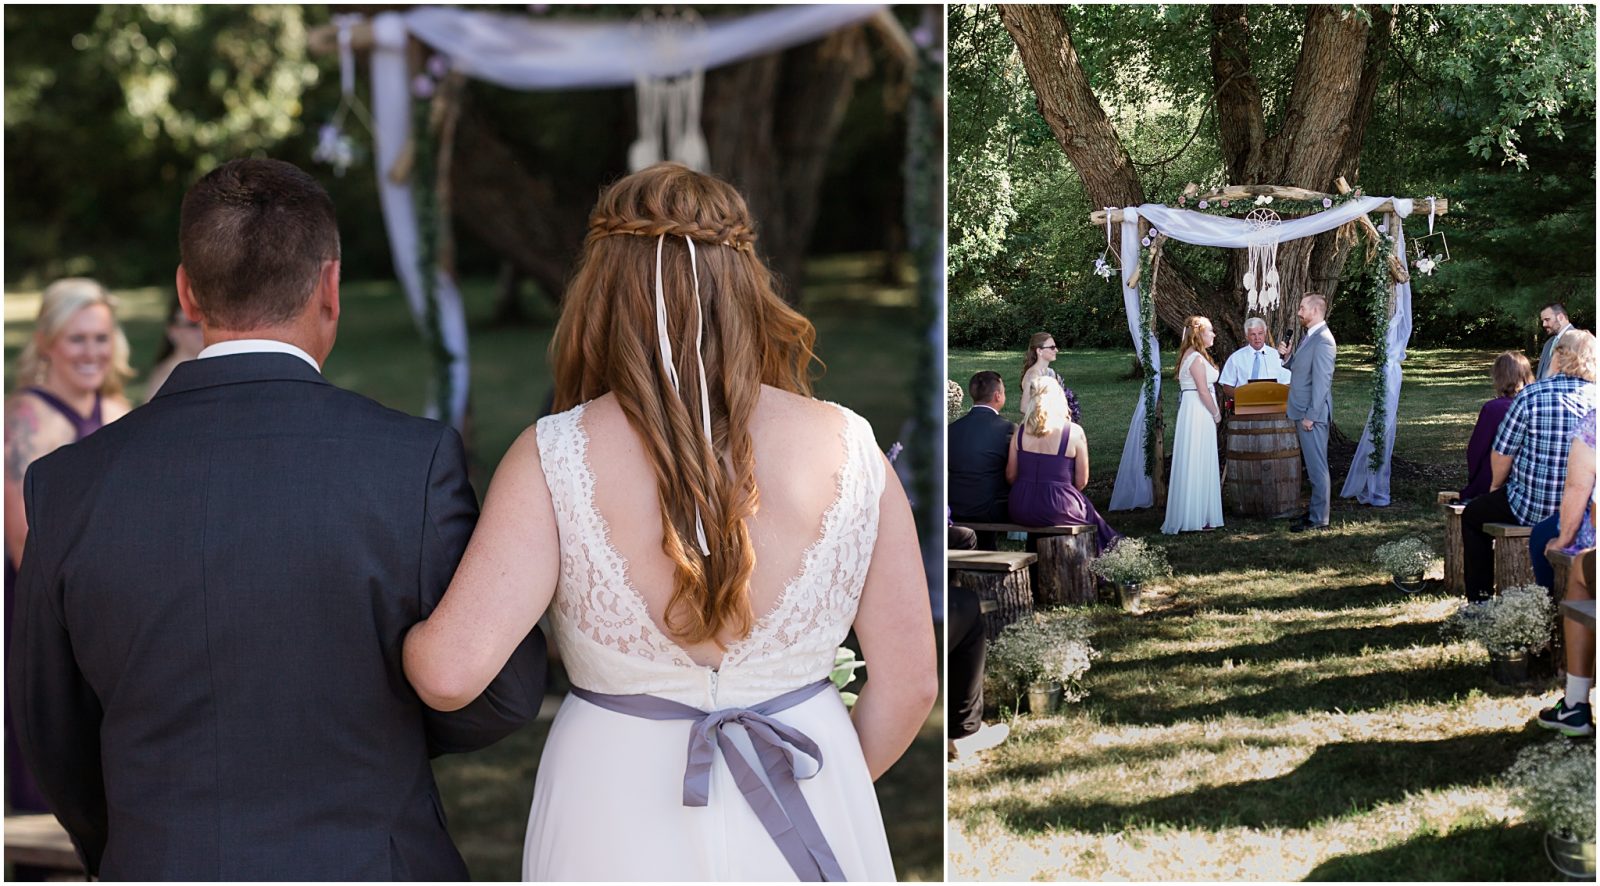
x: 1311, y: 402
x: 1553, y: 317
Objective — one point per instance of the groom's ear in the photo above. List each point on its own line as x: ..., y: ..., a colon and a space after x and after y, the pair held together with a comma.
x: 186, y: 297
x: 327, y: 293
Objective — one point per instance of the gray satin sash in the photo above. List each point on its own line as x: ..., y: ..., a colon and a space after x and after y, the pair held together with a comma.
x: 781, y: 808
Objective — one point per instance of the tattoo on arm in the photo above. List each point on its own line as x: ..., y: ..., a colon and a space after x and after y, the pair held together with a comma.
x: 22, y: 431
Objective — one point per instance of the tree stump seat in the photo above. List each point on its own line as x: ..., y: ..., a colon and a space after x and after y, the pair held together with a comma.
x: 1561, y: 565
x: 1062, y: 576
x: 1512, y: 565
x: 1451, y: 507
x: 1000, y: 579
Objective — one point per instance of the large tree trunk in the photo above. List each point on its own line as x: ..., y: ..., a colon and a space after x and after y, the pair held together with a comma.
x: 1317, y: 140
x: 769, y: 123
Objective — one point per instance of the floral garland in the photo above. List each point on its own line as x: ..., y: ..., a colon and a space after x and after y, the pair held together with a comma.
x: 1280, y: 205
x: 1374, y: 295
x: 425, y: 196
x: 1147, y: 312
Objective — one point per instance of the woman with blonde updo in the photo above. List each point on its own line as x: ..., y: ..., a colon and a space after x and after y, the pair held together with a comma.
x: 70, y: 376
x: 704, y: 534
x: 1194, y: 493
x: 1048, y: 466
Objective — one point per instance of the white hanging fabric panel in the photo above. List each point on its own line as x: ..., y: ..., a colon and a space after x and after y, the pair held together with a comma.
x: 1133, y: 488
x: 1362, y: 483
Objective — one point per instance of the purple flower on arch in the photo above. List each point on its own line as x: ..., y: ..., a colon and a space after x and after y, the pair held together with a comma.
x: 422, y: 86
x: 1327, y: 202
x: 1204, y: 205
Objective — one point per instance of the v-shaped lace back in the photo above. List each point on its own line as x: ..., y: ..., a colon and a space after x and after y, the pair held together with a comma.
x: 603, y: 627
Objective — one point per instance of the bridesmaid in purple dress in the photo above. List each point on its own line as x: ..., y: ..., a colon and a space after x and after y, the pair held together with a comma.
x: 1048, y: 467
x: 1511, y: 373
x: 72, y: 372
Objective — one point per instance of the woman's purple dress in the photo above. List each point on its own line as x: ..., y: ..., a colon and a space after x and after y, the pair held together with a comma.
x: 1478, y: 471
x: 22, y: 792
x: 1043, y: 494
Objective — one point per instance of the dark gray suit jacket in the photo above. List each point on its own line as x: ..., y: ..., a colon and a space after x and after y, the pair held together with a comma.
x: 205, y: 668
x: 977, y: 486
x: 1311, y: 377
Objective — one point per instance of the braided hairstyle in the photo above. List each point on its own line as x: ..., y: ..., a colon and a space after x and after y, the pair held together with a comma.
x: 605, y: 342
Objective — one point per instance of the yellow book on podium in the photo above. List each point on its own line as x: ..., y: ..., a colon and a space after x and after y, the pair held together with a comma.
x: 1261, y: 398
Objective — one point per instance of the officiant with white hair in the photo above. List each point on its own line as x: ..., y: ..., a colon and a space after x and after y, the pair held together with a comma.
x: 1253, y: 362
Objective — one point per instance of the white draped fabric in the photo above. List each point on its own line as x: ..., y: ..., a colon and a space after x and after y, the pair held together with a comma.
x: 1133, y: 488
x: 1363, y: 484
x: 539, y: 54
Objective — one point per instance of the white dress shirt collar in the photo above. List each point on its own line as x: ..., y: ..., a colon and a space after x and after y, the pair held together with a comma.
x: 986, y: 406
x: 255, y: 346
x: 1313, y: 330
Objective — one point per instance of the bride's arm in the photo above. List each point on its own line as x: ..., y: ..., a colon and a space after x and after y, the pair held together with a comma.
x: 504, y: 582
x: 895, y: 628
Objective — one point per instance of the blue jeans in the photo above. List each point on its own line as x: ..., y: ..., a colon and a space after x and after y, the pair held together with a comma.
x: 1543, y: 573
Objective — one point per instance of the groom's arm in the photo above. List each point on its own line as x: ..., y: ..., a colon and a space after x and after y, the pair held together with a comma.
x: 55, y: 712
x: 512, y: 699
x: 1322, y: 380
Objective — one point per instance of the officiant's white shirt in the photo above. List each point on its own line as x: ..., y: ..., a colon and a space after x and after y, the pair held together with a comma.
x: 1236, y: 371
x: 255, y: 346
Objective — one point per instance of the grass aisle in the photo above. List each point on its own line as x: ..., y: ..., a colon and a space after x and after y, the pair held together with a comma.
x: 1281, y: 713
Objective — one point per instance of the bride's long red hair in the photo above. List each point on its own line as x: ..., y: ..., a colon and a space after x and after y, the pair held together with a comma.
x: 606, y: 342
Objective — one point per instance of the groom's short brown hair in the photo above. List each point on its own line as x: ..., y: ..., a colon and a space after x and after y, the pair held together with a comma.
x: 252, y: 236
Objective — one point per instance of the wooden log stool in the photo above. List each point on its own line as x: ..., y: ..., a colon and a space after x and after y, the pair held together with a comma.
x: 1512, y: 565
x: 1062, y: 576
x: 1454, y: 579
x: 1000, y: 577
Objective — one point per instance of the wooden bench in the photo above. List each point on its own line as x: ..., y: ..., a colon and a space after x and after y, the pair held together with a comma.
x: 41, y: 841
x: 1000, y: 579
x: 1454, y: 577
x: 1063, y: 575
x: 1513, y: 567
x: 1561, y: 565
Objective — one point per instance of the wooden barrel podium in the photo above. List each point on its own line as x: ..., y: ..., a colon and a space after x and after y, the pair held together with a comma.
x: 1264, y: 467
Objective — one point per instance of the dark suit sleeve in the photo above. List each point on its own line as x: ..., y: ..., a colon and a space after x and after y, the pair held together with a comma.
x: 512, y: 699
x: 55, y: 712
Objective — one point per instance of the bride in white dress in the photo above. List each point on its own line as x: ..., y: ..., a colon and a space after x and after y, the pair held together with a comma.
x: 704, y: 534
x: 1194, y: 495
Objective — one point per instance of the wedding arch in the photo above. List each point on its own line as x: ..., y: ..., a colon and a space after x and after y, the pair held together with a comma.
x: 530, y: 54
x: 1208, y: 220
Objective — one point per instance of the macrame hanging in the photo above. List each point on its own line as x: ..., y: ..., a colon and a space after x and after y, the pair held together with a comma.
x: 1261, y: 276
x: 669, y: 106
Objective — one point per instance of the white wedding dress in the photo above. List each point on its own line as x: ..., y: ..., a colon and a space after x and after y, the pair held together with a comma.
x: 609, y: 795
x: 1194, y: 491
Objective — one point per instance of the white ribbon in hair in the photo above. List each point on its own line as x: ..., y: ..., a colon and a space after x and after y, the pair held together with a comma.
x: 671, y: 370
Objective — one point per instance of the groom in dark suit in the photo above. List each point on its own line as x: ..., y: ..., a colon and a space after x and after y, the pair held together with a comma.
x: 205, y: 668
x: 1311, y: 403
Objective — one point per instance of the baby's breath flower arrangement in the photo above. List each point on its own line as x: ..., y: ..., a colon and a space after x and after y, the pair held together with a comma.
x: 1553, y: 782
x: 1046, y: 647
x: 1405, y: 557
x: 1518, y: 620
x: 1131, y: 561
x: 954, y: 397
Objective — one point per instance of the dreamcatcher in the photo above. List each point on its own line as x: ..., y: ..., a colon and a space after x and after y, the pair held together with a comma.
x: 1429, y: 252
x: 669, y: 106
x: 1261, y: 276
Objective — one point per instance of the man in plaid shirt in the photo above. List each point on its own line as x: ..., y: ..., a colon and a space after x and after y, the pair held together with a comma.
x: 1529, y: 460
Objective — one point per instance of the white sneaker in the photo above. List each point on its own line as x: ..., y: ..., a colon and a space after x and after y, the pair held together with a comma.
x: 985, y: 738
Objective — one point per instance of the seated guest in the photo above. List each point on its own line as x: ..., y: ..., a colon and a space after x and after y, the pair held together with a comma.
x: 1511, y: 374
x: 1567, y: 530
x: 1529, y: 457
x: 967, y: 732
x: 977, y: 444
x: 1571, y: 715
x: 184, y: 342
x: 1048, y: 466
x: 1253, y: 362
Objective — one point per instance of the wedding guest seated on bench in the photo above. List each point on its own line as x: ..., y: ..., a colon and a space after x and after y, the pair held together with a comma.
x: 1048, y: 466
x: 1567, y: 530
x: 1529, y: 459
x: 977, y: 444
x: 1511, y: 374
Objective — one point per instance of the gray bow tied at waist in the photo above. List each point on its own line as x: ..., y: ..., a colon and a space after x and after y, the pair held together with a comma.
x: 781, y: 808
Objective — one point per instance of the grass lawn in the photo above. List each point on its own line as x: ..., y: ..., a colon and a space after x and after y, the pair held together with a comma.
x: 864, y: 335
x: 1279, y: 713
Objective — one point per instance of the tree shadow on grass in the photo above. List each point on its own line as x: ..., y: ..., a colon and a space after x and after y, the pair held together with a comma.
x: 1484, y: 853
x: 1304, y: 645
x: 1336, y: 780
x: 1286, y: 695
x: 1326, y: 598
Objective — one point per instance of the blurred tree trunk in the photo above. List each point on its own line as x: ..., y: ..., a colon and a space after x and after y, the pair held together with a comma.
x: 1317, y: 140
x: 769, y: 122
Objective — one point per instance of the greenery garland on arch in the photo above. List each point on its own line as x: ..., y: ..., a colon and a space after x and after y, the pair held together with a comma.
x: 425, y: 196
x: 1374, y: 298
x: 1147, y: 313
